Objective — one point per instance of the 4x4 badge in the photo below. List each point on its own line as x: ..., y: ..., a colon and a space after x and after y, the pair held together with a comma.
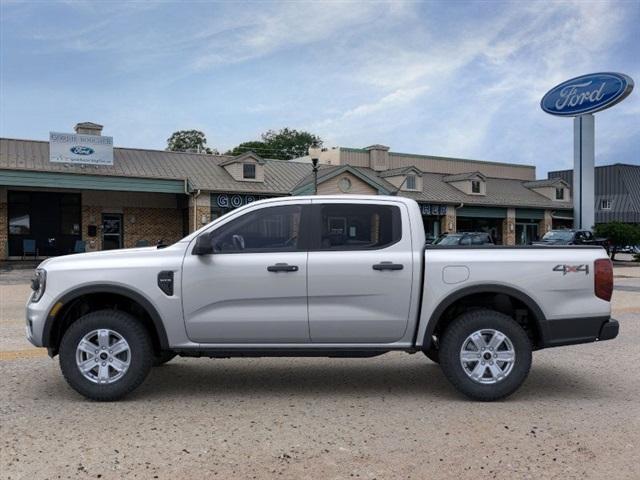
x: 572, y: 269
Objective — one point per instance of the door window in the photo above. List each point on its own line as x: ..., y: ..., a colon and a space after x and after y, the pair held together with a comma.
x: 357, y: 227
x: 111, y: 231
x: 273, y: 229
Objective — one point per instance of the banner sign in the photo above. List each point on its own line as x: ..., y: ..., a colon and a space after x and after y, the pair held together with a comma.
x: 80, y: 149
x: 428, y: 209
x: 224, y: 200
x: 587, y: 94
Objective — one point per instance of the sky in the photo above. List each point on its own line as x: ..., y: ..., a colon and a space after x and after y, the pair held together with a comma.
x: 451, y: 78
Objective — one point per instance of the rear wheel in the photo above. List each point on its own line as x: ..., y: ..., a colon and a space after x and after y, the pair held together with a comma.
x: 485, y: 354
x: 104, y: 355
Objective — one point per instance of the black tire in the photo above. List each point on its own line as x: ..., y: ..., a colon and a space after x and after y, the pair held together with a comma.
x: 452, y: 342
x: 164, y: 357
x: 140, y: 347
x: 432, y: 354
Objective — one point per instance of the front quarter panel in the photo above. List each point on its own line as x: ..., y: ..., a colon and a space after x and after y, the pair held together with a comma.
x: 134, y: 270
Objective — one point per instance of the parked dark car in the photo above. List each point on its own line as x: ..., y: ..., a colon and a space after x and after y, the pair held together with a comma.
x: 465, y: 238
x: 571, y: 237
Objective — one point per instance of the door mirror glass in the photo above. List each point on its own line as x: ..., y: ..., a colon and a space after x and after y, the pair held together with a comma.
x: 203, y: 246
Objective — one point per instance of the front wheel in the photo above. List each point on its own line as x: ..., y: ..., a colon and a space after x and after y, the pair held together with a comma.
x: 485, y: 354
x: 106, y: 354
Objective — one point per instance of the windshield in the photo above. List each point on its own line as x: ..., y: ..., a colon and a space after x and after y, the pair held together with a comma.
x: 448, y: 240
x: 558, y: 235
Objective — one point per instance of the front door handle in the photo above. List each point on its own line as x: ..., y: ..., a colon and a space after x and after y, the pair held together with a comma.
x: 388, y: 266
x: 282, y: 267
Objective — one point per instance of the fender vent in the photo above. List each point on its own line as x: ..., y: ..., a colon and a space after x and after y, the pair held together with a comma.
x: 165, y: 282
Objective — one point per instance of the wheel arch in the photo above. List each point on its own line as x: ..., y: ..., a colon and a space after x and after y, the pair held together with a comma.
x: 458, y: 296
x: 56, y: 318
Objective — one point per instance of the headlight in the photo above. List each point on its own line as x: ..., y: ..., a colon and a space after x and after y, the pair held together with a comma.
x: 38, y: 284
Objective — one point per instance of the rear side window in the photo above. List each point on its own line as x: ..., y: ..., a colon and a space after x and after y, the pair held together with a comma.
x: 356, y: 227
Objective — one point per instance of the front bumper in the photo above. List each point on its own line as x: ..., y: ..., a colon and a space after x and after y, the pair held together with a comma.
x: 571, y: 331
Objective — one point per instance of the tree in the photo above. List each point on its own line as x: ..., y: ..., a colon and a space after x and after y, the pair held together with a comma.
x: 619, y: 235
x: 188, y: 141
x: 284, y: 144
x: 257, y: 147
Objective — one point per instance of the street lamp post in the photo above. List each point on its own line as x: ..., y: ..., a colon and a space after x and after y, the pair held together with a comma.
x: 314, y: 153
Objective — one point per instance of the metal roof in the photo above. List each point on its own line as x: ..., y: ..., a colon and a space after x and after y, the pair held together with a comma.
x: 620, y: 184
x: 281, y: 177
x: 201, y: 170
x: 463, y: 176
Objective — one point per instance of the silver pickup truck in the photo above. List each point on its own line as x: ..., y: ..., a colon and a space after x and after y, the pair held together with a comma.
x: 336, y: 276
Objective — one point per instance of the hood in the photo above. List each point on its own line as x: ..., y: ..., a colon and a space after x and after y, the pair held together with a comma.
x: 105, y: 258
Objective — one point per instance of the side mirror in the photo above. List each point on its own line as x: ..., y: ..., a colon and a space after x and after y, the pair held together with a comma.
x: 203, y: 245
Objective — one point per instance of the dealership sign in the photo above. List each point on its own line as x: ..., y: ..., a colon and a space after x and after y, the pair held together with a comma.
x: 80, y: 149
x: 428, y: 209
x: 587, y: 94
x: 224, y: 200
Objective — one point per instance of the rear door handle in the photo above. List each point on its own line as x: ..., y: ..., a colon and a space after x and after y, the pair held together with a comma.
x: 388, y: 266
x: 282, y: 267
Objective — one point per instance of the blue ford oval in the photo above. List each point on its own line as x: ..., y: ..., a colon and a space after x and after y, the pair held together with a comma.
x: 80, y: 150
x: 587, y: 94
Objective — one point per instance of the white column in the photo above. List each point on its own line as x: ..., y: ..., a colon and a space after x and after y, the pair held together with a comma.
x: 583, y: 171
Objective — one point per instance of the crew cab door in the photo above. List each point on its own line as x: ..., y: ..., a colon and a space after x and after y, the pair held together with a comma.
x: 359, y: 272
x: 253, y: 288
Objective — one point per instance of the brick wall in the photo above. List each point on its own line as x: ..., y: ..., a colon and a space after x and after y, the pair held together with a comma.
x: 449, y: 220
x: 509, y: 228
x: 4, y: 227
x: 151, y: 224
x: 545, y: 224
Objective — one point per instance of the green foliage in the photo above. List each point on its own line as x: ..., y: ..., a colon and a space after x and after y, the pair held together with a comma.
x: 284, y: 144
x: 619, y: 235
x: 188, y: 141
x: 257, y: 147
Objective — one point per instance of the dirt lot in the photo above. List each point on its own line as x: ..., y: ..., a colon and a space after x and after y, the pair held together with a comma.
x: 394, y: 416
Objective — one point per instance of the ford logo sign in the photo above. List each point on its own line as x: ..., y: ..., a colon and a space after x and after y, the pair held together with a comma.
x: 79, y: 150
x: 587, y: 94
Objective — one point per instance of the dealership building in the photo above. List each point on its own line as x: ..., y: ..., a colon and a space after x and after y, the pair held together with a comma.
x: 98, y: 197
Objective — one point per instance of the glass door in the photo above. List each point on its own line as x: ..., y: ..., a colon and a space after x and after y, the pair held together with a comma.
x: 111, y: 231
x: 526, y: 233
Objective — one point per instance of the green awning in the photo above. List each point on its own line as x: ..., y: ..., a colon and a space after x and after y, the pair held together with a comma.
x: 482, y: 212
x: 25, y: 178
x: 530, y: 213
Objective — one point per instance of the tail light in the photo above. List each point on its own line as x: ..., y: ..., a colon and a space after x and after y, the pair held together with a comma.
x: 603, y: 280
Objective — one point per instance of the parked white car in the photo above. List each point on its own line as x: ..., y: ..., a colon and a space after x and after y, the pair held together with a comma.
x: 337, y: 276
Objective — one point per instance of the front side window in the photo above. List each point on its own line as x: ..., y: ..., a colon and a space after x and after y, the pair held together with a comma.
x: 273, y: 229
x: 411, y: 182
x: 358, y: 227
x: 475, y: 186
x: 559, y: 193
x: 605, y: 204
x: 249, y: 170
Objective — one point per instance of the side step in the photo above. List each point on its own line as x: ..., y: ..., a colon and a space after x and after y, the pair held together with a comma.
x: 298, y: 352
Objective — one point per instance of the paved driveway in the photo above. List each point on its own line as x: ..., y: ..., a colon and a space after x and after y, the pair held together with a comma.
x: 394, y: 416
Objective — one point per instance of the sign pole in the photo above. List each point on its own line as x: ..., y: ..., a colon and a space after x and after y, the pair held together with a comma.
x: 583, y: 171
x: 579, y: 98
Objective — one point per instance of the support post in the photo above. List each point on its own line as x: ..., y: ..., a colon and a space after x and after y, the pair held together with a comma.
x: 583, y: 171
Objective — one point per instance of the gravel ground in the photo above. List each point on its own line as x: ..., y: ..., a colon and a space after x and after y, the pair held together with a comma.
x: 394, y: 416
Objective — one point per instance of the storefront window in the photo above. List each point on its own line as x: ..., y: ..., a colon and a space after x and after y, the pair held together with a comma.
x: 19, y: 217
x: 492, y: 226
